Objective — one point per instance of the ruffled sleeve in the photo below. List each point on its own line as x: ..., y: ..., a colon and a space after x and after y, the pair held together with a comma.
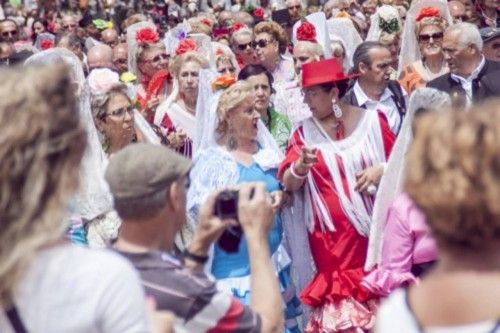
x: 213, y: 169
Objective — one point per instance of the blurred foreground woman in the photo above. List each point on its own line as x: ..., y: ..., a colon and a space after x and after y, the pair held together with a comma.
x: 47, y: 285
x: 454, y: 178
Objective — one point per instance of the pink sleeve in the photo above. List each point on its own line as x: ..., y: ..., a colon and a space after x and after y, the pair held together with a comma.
x: 397, y: 254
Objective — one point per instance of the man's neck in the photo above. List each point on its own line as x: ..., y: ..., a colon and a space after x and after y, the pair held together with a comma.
x: 373, y: 92
x: 144, y: 236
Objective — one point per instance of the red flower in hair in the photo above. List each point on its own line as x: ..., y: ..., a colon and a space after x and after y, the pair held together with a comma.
x: 258, y: 12
x: 237, y: 26
x: 428, y: 12
x: 306, y: 32
x: 146, y: 36
x: 47, y: 44
x: 185, y: 46
x: 207, y: 22
x: 219, y: 52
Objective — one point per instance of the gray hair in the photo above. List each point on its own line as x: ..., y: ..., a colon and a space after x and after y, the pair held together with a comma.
x: 72, y: 39
x: 468, y: 34
x: 362, y: 54
x: 98, y: 103
x: 143, y: 207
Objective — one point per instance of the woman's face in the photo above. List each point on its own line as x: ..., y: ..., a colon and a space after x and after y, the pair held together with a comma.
x: 189, y: 78
x: 266, y: 48
x: 118, y: 123
x: 319, y: 101
x: 430, y: 40
x: 38, y: 28
x: 225, y: 67
x: 244, y: 119
x: 152, y: 60
x: 243, y: 48
x: 262, y: 90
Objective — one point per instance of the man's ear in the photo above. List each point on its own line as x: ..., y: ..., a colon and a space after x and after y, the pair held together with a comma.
x: 363, y: 68
x: 173, y: 195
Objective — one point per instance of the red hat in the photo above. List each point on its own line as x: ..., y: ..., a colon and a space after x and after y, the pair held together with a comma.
x: 323, y: 71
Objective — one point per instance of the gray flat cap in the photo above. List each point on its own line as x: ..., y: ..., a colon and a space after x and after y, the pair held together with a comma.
x: 488, y: 34
x: 143, y: 169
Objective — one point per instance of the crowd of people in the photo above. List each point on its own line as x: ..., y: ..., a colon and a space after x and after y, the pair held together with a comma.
x: 256, y: 166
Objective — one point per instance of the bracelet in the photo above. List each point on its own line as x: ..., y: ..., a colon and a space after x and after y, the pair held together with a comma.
x: 196, y: 258
x: 295, y: 174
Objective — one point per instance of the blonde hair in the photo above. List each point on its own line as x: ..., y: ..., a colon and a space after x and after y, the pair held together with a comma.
x: 139, y: 51
x: 198, y: 26
x: 314, y: 48
x: 229, y: 100
x: 41, y: 146
x: 175, y: 66
x: 427, y: 21
x: 276, y: 31
x: 454, y: 175
x: 242, y: 31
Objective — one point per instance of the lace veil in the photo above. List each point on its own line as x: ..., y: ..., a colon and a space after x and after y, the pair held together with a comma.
x: 341, y: 28
x: 410, y: 51
x: 322, y: 35
x: 93, y: 197
x: 391, y: 184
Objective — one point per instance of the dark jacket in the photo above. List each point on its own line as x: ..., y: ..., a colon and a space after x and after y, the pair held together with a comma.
x: 487, y: 83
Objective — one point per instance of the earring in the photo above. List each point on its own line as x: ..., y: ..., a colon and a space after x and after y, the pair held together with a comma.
x: 231, y: 140
x: 337, y: 111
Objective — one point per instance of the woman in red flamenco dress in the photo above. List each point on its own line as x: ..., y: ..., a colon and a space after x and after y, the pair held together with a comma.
x: 334, y: 162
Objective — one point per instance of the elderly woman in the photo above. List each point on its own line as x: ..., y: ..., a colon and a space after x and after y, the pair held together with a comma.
x: 148, y: 59
x: 41, y: 162
x: 240, y: 150
x: 453, y: 178
x: 177, y: 113
x: 241, y: 44
x: 333, y: 164
x: 270, y: 44
x: 262, y: 82
x: 422, y: 59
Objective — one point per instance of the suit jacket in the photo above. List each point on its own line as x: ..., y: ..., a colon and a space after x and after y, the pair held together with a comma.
x: 487, y: 83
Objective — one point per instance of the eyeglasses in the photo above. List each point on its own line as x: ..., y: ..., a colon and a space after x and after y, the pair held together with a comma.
x: 121, y: 61
x: 298, y: 7
x: 120, y: 113
x: 261, y: 43
x: 426, y: 38
x: 9, y: 33
x: 243, y: 47
x: 67, y: 26
x: 158, y: 58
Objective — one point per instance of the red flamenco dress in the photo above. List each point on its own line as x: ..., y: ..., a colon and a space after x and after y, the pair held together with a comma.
x: 337, y: 246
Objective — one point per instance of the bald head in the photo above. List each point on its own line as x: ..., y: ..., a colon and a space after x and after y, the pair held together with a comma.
x: 120, y: 57
x: 109, y: 37
x: 457, y: 11
x: 100, y: 56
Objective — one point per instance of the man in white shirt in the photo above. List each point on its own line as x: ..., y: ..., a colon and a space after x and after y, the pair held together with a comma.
x: 472, y: 78
x: 373, y: 89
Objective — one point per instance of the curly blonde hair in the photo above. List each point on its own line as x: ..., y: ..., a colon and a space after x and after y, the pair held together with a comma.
x: 143, y: 48
x: 41, y: 146
x: 454, y: 175
x: 427, y: 21
x: 229, y: 100
x: 175, y: 66
x: 275, y: 30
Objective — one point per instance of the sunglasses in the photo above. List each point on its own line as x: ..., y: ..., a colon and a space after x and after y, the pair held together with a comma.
x: 243, y: 47
x: 261, y: 43
x: 426, y: 38
x: 298, y: 7
x: 158, y: 58
x: 120, y: 113
x: 9, y: 33
x: 121, y: 61
x: 67, y: 26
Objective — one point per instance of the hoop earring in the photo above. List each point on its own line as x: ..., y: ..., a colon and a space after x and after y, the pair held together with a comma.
x: 337, y: 111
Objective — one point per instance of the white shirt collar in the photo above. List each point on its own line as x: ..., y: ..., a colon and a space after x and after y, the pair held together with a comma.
x: 473, y: 75
x: 362, y: 98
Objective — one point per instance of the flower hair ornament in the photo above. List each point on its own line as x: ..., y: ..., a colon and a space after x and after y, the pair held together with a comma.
x: 207, y: 22
x: 307, y: 32
x: 428, y: 12
x: 186, y: 45
x: 223, y: 82
x: 237, y: 26
x: 101, y: 80
x: 258, y: 13
x: 146, y: 36
x: 388, y: 19
x: 47, y: 44
x: 102, y: 24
